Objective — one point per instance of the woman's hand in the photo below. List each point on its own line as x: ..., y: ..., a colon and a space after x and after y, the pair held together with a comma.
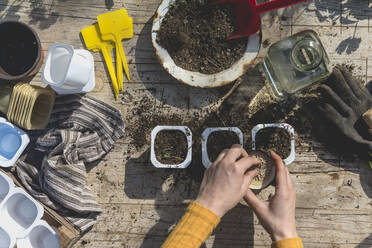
x: 277, y: 215
x: 227, y: 180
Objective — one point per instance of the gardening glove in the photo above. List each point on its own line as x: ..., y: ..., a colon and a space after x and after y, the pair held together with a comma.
x: 345, y: 102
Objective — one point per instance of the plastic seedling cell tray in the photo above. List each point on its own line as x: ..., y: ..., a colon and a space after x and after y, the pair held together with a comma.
x: 6, y: 186
x: 40, y: 236
x: 205, y: 158
x: 13, y: 141
x: 286, y: 127
x: 19, y: 213
x: 188, y: 135
x: 6, y: 240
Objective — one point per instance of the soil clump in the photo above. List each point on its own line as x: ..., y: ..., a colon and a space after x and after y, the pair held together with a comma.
x: 266, y: 166
x: 195, y: 35
x: 219, y: 141
x: 274, y: 139
x: 171, y: 147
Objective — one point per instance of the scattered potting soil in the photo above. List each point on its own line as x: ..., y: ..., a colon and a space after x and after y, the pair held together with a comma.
x: 219, y: 141
x: 171, y: 147
x: 275, y: 139
x: 195, y: 35
x: 266, y: 166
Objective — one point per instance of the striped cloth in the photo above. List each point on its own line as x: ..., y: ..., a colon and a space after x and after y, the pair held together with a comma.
x: 81, y: 130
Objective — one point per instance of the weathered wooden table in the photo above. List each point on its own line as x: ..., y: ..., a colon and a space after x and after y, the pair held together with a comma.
x: 141, y: 204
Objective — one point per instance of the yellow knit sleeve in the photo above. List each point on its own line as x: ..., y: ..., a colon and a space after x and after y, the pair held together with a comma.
x: 288, y: 243
x: 193, y: 229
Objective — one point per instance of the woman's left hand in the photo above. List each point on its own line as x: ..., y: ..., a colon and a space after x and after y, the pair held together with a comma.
x: 227, y: 180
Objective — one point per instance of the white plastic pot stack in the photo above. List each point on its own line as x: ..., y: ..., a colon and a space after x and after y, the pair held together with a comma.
x: 68, y: 70
x: 21, y: 222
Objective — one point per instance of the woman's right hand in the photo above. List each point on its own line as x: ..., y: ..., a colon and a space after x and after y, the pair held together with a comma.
x: 277, y: 215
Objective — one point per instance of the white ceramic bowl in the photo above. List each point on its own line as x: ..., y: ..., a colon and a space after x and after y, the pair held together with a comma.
x: 195, y: 78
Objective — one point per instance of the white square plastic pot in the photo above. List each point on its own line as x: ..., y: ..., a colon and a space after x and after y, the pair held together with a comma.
x: 205, y: 158
x: 19, y: 212
x: 188, y: 135
x: 286, y: 127
x: 68, y: 70
x: 13, y: 141
x: 6, y: 240
x: 40, y: 236
x: 6, y: 186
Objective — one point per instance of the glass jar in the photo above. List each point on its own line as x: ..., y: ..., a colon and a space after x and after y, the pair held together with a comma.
x: 295, y: 63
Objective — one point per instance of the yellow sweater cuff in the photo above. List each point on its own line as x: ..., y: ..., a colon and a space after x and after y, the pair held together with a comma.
x: 288, y: 243
x: 193, y: 229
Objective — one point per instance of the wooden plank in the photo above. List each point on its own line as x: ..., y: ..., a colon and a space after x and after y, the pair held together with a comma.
x: 142, y: 204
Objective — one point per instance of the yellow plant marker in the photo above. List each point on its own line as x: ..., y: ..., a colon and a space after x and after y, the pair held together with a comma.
x: 94, y: 42
x: 115, y: 26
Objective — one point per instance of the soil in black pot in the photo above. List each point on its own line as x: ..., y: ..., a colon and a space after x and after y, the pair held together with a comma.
x: 19, y: 49
x: 274, y: 139
x: 219, y: 141
x: 171, y: 147
x: 266, y: 165
x: 195, y: 35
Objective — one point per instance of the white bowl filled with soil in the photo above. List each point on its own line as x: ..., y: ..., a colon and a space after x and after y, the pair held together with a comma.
x: 275, y: 137
x: 266, y: 173
x: 215, y: 140
x: 191, y: 42
x: 171, y: 147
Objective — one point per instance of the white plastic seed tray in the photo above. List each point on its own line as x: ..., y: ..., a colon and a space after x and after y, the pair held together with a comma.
x: 6, y: 186
x: 188, y: 135
x: 40, y: 236
x: 286, y: 127
x: 19, y: 212
x: 6, y: 240
x: 205, y: 158
x: 13, y: 141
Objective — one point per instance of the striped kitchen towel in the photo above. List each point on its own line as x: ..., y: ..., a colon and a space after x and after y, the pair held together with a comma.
x: 81, y: 130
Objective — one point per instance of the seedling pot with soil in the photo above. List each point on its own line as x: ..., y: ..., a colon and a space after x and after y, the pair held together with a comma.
x: 171, y: 147
x: 286, y: 149
x: 20, y: 51
x: 218, y: 144
x: 199, y: 53
x: 266, y: 137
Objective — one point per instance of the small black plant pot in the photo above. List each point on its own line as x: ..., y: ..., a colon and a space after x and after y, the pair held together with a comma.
x: 20, y: 51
